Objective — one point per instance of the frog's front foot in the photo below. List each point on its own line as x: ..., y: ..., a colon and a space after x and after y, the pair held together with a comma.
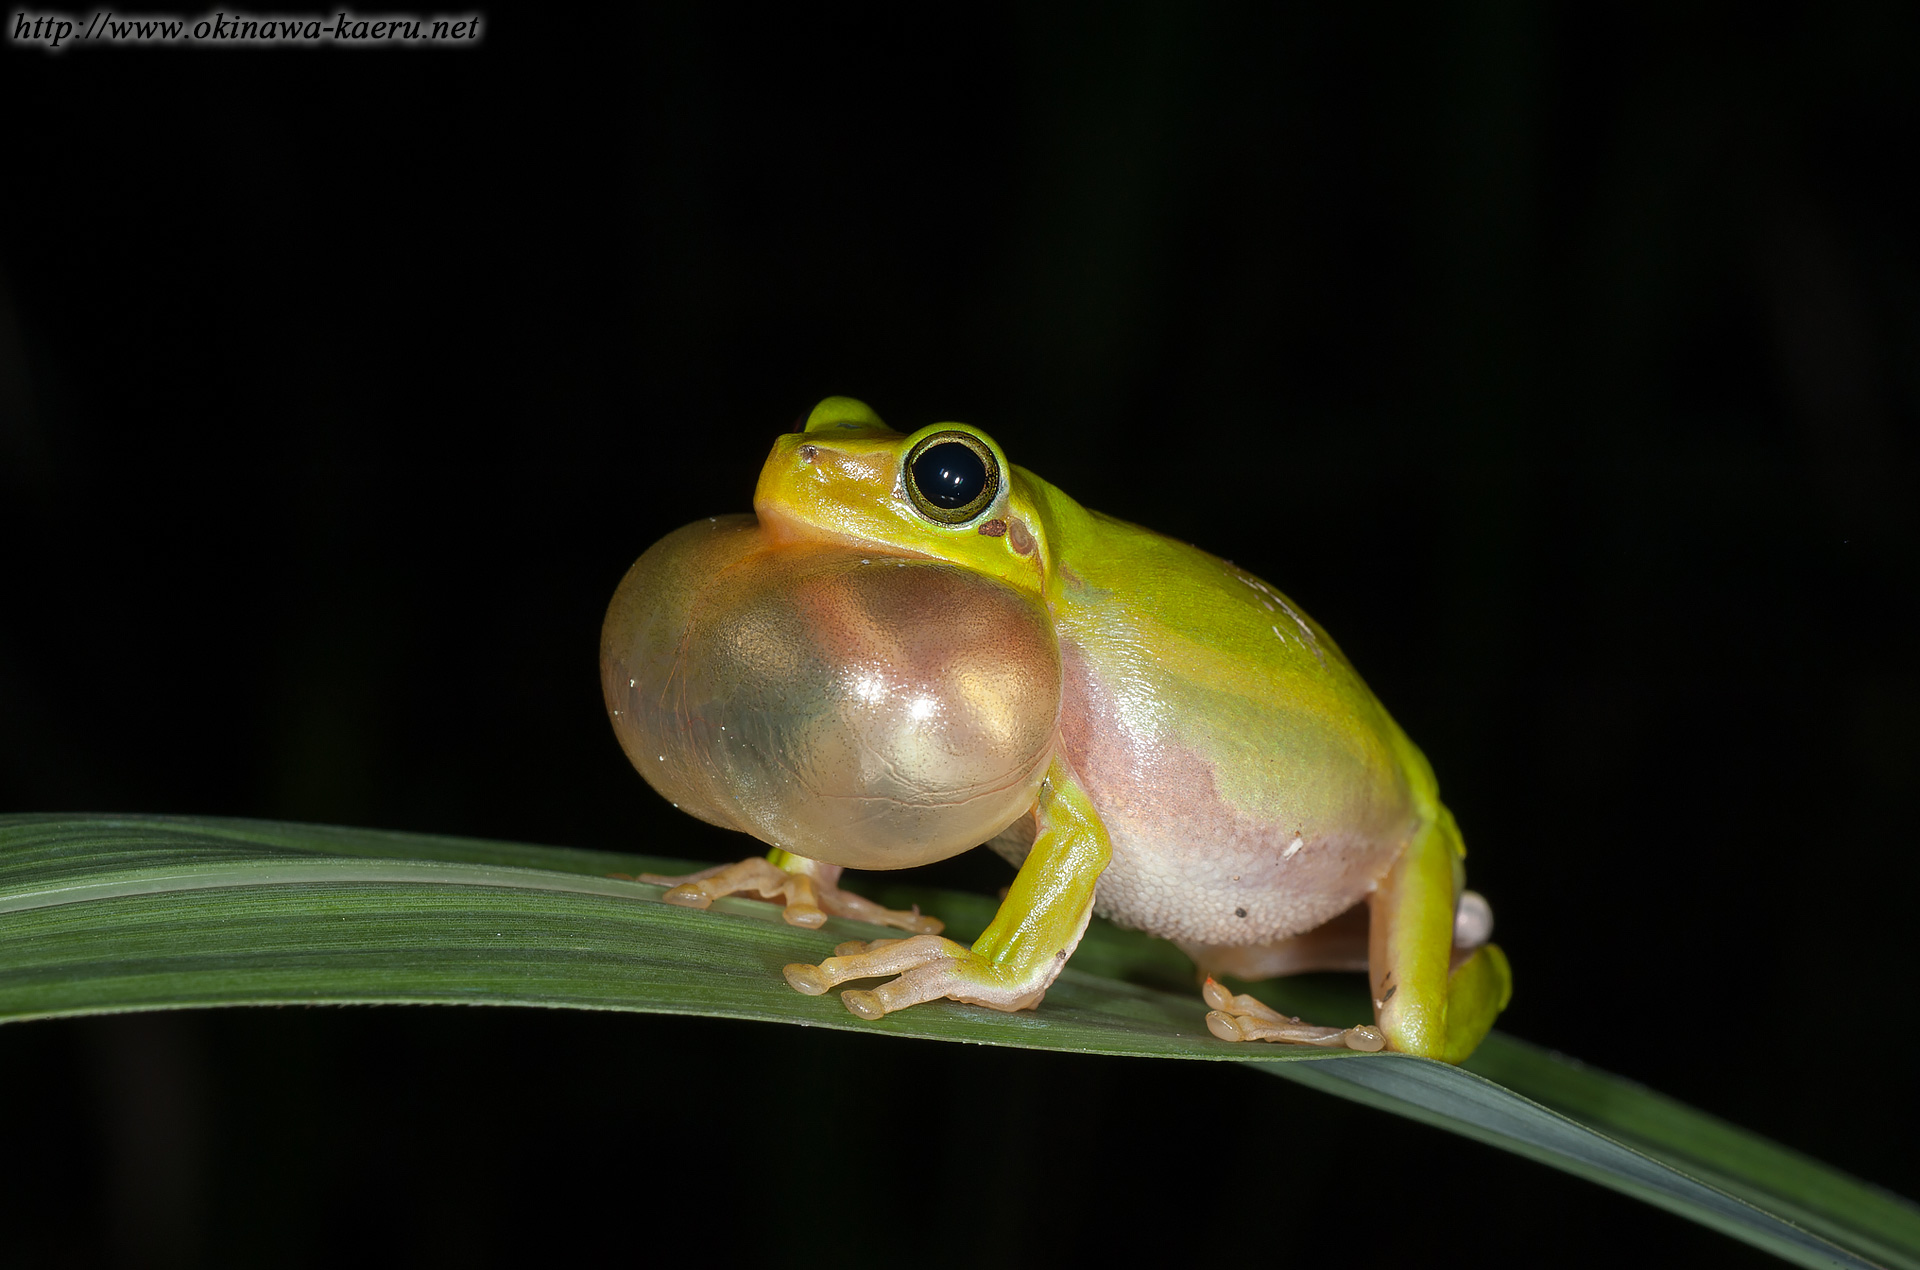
x: 810, y: 896
x: 1239, y: 1017
x: 1021, y: 951
x: 928, y: 968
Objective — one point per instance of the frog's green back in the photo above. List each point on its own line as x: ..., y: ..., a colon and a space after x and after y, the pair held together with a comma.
x: 1223, y: 733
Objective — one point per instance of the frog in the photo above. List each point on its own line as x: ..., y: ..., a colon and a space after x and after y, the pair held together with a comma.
x: 911, y: 648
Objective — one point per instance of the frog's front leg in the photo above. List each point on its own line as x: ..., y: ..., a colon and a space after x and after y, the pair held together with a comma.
x: 1016, y: 958
x: 809, y: 889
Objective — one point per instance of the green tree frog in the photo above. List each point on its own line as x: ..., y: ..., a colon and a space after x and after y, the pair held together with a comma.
x: 912, y: 647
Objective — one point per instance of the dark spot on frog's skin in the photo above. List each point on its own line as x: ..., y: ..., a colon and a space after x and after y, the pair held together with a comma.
x: 1019, y: 537
x: 1390, y: 991
x: 1239, y: 912
x: 809, y: 452
x: 994, y: 528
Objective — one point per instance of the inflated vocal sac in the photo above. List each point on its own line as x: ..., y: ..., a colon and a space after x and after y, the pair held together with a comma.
x: 872, y: 711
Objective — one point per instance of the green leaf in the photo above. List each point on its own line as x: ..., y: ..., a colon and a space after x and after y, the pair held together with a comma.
x: 102, y: 914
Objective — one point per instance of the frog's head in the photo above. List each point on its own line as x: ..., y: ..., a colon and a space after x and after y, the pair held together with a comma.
x: 945, y: 492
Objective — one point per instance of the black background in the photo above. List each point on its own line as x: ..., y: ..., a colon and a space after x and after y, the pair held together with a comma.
x: 1562, y: 363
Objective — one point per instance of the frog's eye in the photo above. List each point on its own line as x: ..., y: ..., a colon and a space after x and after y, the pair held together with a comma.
x: 952, y: 477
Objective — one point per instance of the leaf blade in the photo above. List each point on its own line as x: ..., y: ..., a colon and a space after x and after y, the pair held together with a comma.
x: 101, y: 913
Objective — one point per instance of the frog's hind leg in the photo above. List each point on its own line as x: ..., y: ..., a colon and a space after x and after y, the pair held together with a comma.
x: 1437, y: 983
x: 1340, y: 944
x: 1240, y: 1017
x: 809, y: 890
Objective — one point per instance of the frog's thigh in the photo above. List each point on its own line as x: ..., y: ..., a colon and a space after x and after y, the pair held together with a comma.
x: 1014, y: 961
x: 1427, y: 1000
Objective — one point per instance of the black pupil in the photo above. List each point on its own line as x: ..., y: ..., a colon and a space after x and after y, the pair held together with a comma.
x: 949, y: 475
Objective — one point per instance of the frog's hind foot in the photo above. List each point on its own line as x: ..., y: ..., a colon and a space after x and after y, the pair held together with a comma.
x: 809, y: 897
x: 1239, y: 1017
